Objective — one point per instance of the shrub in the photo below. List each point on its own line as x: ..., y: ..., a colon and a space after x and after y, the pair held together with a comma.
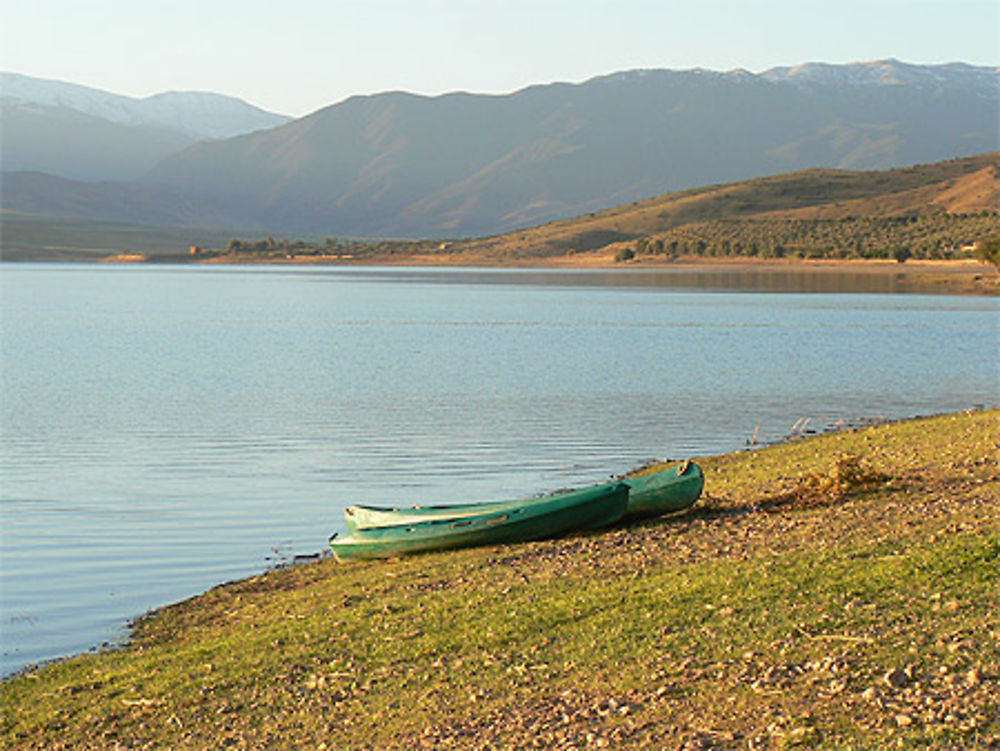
x: 988, y: 250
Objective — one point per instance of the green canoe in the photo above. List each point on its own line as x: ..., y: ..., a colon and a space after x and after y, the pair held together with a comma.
x: 672, y: 489
x: 368, y: 517
x: 516, y: 521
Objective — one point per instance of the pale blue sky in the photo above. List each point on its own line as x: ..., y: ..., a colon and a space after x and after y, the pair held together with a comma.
x: 295, y: 56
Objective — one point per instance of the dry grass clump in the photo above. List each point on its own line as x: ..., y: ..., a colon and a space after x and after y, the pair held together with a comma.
x: 847, y: 476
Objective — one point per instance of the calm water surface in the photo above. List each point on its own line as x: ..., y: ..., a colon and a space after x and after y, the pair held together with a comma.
x: 166, y: 429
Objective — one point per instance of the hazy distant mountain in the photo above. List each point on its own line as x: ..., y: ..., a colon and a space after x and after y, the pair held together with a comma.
x: 78, y: 132
x: 466, y: 164
x: 198, y: 115
x: 71, y: 144
x: 39, y: 193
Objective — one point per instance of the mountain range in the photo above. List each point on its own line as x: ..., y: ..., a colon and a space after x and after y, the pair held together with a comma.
x: 399, y: 164
x: 74, y: 131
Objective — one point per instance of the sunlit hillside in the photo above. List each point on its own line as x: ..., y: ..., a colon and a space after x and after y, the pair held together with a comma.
x: 944, y: 204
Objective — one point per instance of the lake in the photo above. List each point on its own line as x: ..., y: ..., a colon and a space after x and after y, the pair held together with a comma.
x: 165, y: 429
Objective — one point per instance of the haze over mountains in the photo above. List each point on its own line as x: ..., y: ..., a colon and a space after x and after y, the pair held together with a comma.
x: 398, y: 164
x: 74, y: 131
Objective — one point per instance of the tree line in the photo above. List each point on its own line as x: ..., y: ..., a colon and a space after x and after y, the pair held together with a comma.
x: 930, y: 236
x: 270, y: 247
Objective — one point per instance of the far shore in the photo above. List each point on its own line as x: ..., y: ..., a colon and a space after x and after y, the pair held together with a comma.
x: 963, y: 276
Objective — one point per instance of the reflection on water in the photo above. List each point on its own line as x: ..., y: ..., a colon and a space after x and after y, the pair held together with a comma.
x: 740, y: 279
x: 167, y: 429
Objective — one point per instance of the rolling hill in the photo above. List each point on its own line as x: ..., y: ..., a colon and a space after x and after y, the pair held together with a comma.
x: 928, y: 210
x: 957, y: 187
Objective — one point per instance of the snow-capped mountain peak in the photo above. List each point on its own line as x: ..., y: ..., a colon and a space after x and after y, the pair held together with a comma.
x: 888, y: 72
x: 200, y: 115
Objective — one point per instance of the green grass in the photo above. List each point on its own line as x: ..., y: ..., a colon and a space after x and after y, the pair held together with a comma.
x: 864, y: 618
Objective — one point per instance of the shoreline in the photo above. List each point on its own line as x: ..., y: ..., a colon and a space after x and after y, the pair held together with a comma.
x: 751, y: 446
x: 791, y: 591
x: 961, y: 276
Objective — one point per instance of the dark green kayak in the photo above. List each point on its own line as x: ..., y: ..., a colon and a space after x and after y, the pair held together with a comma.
x: 672, y: 489
x: 515, y: 521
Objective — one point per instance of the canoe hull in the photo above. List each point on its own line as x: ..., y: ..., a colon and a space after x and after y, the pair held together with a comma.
x: 530, y: 519
x: 368, y: 517
x: 672, y: 489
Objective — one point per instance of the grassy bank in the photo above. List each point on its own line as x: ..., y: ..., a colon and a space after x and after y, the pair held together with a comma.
x: 839, y: 591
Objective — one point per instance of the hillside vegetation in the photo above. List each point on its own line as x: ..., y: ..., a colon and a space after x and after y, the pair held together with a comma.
x: 840, y: 591
x: 928, y: 210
